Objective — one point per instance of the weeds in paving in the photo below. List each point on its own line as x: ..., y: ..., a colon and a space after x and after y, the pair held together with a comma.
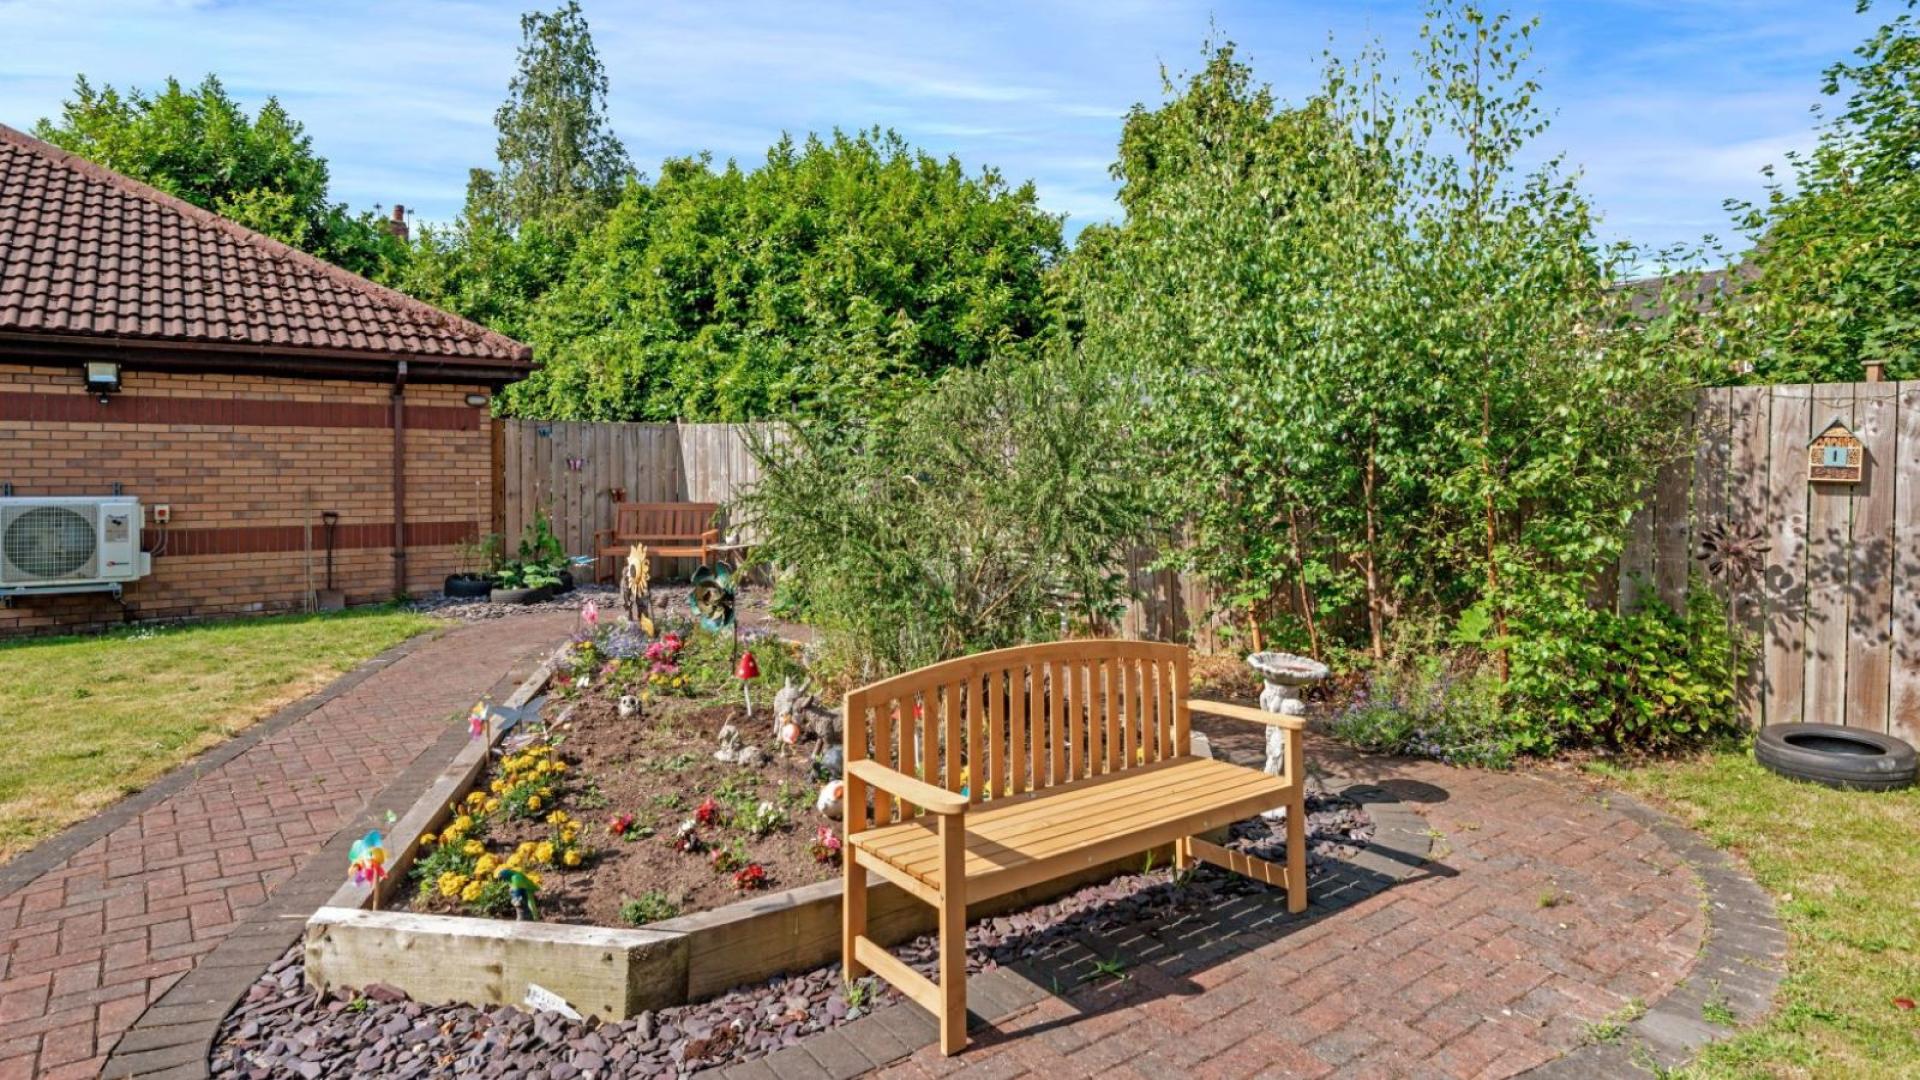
x: 1114, y: 969
x: 1610, y: 1027
x: 1716, y: 1010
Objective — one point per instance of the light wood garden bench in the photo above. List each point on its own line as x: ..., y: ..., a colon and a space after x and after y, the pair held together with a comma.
x: 998, y: 771
x: 669, y: 530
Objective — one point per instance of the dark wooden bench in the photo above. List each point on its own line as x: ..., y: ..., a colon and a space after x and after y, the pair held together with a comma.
x: 994, y: 772
x: 672, y: 530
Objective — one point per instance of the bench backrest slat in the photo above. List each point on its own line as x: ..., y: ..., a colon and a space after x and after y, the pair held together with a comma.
x: 665, y: 520
x: 1021, y: 720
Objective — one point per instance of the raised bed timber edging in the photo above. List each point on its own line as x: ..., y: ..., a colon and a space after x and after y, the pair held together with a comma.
x: 613, y: 973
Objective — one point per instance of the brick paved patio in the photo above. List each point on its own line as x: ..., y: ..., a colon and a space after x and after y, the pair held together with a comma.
x: 100, y: 922
x: 1545, y: 908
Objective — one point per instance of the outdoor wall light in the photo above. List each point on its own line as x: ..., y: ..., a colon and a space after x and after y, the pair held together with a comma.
x: 476, y: 400
x: 103, y: 378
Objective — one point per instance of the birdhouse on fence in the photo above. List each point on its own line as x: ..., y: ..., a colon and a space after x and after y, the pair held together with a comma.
x: 1836, y: 456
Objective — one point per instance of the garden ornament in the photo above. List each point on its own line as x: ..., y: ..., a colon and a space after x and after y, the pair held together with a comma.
x: 789, y: 737
x: 729, y: 751
x: 1284, y: 674
x: 751, y: 757
x: 590, y: 613
x: 521, y: 890
x: 629, y: 706
x: 477, y: 720
x: 687, y: 837
x: 747, y: 671
x: 636, y: 589
x: 788, y: 703
x: 832, y: 800
x: 830, y: 763
x: 712, y: 597
x: 367, y: 859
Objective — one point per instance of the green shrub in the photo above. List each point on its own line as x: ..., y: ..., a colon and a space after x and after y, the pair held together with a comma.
x: 992, y: 511
x: 1437, y: 703
x: 1651, y: 679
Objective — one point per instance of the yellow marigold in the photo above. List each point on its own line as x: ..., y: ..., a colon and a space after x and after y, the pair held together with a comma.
x: 544, y: 853
x: 471, y: 892
x: 485, y: 866
x: 533, y: 803
x: 475, y: 798
x: 533, y: 877
x: 451, y: 884
x: 515, y: 861
x: 572, y: 857
x: 570, y: 831
x: 474, y: 848
x: 492, y: 805
x: 558, y: 817
x: 463, y: 822
x: 498, y: 787
x: 559, y: 766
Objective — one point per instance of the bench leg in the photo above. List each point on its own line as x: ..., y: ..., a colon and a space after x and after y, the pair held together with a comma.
x: 953, y: 937
x: 1296, y: 824
x: 1183, y: 859
x: 853, y: 913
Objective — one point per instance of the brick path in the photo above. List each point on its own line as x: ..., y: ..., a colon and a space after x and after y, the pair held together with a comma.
x: 89, y: 943
x: 1544, y: 908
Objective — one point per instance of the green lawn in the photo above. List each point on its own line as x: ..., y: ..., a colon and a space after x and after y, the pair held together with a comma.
x: 87, y: 720
x: 1844, y: 870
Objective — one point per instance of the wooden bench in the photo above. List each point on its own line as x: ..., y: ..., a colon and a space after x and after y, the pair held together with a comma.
x: 669, y: 530
x: 994, y: 772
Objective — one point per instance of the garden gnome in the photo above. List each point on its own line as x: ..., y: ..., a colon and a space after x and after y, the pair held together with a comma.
x: 629, y: 706
x: 747, y: 671
x: 520, y: 890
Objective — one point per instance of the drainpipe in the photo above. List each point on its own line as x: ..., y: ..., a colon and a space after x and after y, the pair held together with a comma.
x: 400, y: 479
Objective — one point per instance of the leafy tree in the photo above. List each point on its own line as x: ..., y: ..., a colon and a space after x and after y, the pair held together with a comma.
x: 840, y: 277
x: 1836, y: 263
x: 1385, y: 364
x: 200, y: 145
x: 558, y: 154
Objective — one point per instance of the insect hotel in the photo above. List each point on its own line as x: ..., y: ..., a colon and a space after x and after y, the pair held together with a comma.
x: 1836, y: 456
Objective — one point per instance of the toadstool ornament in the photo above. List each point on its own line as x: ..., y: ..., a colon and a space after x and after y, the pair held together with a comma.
x: 747, y: 671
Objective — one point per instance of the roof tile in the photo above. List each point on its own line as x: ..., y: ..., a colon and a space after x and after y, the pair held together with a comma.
x: 86, y: 252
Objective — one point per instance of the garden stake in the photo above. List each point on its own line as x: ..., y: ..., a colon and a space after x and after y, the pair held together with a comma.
x: 748, y: 671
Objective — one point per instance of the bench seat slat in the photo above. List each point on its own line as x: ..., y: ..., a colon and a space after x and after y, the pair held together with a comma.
x: 1011, y: 843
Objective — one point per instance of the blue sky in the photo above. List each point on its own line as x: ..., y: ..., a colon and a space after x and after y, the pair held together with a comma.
x: 1667, y: 106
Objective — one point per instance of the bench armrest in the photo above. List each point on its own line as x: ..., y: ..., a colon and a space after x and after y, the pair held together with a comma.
x: 901, y: 786
x: 711, y: 536
x: 1249, y: 714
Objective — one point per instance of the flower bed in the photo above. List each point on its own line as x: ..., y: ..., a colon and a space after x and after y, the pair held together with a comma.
x: 617, y: 811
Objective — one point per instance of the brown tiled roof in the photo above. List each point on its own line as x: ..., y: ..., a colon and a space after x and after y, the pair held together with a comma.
x: 87, y: 253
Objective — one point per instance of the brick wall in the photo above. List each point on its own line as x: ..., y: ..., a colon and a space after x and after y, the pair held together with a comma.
x: 245, y: 463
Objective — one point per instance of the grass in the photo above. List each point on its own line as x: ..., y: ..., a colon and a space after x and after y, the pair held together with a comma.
x: 88, y: 720
x: 1844, y: 870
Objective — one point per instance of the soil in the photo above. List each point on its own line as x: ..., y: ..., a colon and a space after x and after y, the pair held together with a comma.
x: 660, y: 767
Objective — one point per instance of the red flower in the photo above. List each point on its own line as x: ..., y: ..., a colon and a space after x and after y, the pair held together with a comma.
x: 708, y: 812
x: 619, y: 824
x: 749, y: 878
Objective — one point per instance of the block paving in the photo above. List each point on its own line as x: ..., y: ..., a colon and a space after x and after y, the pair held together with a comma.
x: 1543, y: 905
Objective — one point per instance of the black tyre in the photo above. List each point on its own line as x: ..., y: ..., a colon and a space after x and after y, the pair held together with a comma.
x: 522, y: 596
x: 467, y: 586
x: 1840, y: 757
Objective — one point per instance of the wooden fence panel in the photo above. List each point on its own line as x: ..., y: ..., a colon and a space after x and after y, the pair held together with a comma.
x: 1830, y: 632
x: 1786, y: 580
x: 1829, y: 521
x: 1870, y: 560
x: 1749, y: 409
x: 1904, y: 680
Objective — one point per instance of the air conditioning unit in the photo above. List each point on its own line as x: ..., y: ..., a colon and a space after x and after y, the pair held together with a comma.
x: 65, y: 544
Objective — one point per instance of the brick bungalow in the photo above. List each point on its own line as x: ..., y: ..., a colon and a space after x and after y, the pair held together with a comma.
x: 258, y: 387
